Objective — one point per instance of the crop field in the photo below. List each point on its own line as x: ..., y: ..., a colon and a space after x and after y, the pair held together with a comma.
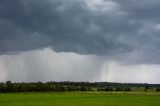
x: 80, y: 99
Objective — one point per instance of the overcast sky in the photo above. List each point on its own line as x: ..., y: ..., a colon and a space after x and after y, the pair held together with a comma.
x: 80, y: 40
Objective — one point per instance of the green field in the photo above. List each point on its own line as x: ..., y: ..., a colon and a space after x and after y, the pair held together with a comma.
x: 80, y: 99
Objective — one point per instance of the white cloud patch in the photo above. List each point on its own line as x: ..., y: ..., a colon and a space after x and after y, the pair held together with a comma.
x: 142, y: 73
x: 101, y: 4
x: 109, y: 7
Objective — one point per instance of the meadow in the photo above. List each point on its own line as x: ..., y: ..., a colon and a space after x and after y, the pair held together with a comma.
x: 80, y: 99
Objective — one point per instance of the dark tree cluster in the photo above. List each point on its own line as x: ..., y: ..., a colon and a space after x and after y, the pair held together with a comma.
x: 117, y: 88
x: 8, y: 86
x: 42, y: 87
x: 158, y: 89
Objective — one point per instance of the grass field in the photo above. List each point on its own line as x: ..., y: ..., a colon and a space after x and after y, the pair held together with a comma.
x: 80, y: 99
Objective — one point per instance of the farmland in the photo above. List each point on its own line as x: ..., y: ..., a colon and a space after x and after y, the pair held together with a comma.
x: 80, y: 99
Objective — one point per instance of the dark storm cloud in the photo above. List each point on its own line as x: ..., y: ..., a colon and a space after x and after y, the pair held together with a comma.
x: 82, y: 26
x: 80, y: 40
x: 63, y: 25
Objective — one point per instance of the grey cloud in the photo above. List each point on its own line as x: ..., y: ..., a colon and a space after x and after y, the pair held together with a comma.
x: 48, y: 65
x: 64, y: 25
x: 73, y: 26
x: 142, y: 10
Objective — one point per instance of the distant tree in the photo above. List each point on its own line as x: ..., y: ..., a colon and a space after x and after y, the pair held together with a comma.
x: 127, y: 89
x: 101, y: 89
x: 83, y: 88
x: 118, y: 88
x: 146, y: 88
x: 158, y: 89
x: 9, y: 86
x: 109, y: 89
x: 3, y: 88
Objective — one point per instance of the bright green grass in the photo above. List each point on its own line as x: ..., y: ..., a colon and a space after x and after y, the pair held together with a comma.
x: 80, y: 99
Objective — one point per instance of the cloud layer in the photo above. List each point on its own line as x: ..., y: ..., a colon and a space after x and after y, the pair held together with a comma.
x: 83, y: 26
x: 48, y: 65
x: 117, y: 30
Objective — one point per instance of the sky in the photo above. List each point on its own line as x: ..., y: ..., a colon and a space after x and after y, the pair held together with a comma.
x: 80, y: 40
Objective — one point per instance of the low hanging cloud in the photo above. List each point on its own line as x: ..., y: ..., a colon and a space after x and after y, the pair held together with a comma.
x: 48, y: 65
x: 89, y: 33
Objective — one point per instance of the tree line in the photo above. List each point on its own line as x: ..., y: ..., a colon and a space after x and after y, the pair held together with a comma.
x: 40, y: 87
x: 9, y: 86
